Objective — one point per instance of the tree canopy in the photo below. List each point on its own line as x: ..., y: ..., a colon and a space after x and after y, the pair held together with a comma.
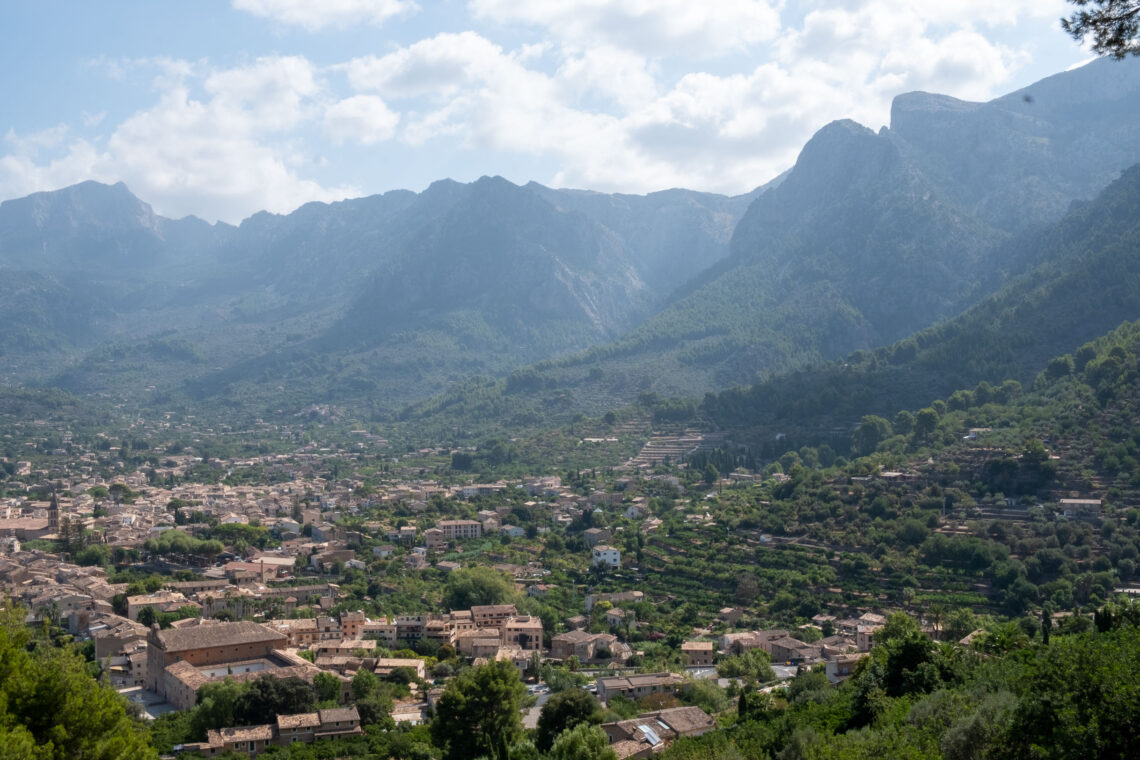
x: 51, y: 708
x: 468, y: 587
x: 583, y: 742
x: 564, y: 711
x: 327, y: 687
x: 1113, y: 25
x: 478, y: 713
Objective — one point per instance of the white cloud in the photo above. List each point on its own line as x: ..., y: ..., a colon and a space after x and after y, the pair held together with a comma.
x: 981, y: 13
x: 616, y: 75
x: 882, y: 47
x: 272, y: 93
x: 440, y: 67
x: 22, y: 173
x: 365, y: 119
x: 470, y: 89
x: 315, y: 15
x: 159, y: 73
x: 651, y: 27
x: 32, y: 143
x: 727, y: 134
x: 732, y: 132
x: 221, y: 156
x: 607, y: 117
x: 211, y: 157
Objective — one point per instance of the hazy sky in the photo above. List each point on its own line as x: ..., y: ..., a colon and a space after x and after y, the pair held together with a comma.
x: 220, y: 109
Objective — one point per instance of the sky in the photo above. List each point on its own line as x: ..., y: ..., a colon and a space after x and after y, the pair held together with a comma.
x: 222, y: 108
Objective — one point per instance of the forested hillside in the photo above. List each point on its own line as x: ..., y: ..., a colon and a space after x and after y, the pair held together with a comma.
x: 874, y: 236
x: 1089, y: 285
x: 995, y: 461
x: 502, y: 277
x: 914, y: 698
x: 1084, y: 281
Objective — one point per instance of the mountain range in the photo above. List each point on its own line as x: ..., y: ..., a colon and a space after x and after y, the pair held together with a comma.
x: 872, y: 236
x: 936, y: 228
x: 101, y: 294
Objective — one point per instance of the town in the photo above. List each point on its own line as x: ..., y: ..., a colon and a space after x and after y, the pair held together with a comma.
x: 269, y: 598
x: 661, y: 593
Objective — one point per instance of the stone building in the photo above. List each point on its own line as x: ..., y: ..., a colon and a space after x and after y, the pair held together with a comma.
x: 698, y: 654
x: 207, y: 644
x: 637, y: 686
x: 460, y: 529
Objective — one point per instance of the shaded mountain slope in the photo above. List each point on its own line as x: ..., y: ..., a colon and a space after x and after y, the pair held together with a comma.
x: 504, y: 276
x: 395, y: 294
x: 874, y: 236
x: 1089, y: 285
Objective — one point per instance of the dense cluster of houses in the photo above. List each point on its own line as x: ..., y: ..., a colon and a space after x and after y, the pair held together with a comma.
x: 852, y: 635
x: 305, y: 514
x: 492, y: 631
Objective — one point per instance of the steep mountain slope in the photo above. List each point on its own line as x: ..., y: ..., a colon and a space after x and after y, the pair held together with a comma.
x: 673, y: 234
x: 86, y: 227
x: 312, y: 253
x: 873, y: 236
x: 1089, y: 285
x: 398, y: 293
x: 1017, y: 161
x: 505, y: 276
x: 506, y: 252
x: 32, y: 319
x: 76, y: 260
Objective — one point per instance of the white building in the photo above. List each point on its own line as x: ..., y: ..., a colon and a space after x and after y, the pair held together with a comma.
x: 607, y: 555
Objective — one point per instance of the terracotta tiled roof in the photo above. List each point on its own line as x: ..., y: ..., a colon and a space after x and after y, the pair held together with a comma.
x: 626, y: 748
x: 301, y: 720
x: 216, y: 635
x: 246, y: 733
x: 573, y: 637
x: 339, y: 715
x: 685, y: 720
x: 494, y: 609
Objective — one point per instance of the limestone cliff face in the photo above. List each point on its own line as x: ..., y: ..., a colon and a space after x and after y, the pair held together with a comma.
x: 872, y: 236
